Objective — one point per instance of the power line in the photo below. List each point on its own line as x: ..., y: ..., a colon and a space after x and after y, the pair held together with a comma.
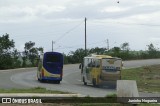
x: 99, y: 21
x: 75, y: 46
x: 68, y: 32
x: 96, y: 21
x: 51, y: 33
x: 65, y: 34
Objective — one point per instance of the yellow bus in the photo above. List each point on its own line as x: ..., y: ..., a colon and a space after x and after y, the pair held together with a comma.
x: 97, y: 69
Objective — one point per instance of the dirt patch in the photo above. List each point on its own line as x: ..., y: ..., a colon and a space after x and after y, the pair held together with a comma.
x: 156, y: 76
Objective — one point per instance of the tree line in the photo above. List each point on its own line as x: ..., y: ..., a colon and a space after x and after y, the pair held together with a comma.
x: 10, y: 57
x: 123, y: 52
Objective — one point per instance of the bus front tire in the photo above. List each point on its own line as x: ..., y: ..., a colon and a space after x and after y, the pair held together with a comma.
x: 120, y: 77
x: 85, y: 83
x: 41, y: 80
x: 57, y: 82
x: 94, y: 82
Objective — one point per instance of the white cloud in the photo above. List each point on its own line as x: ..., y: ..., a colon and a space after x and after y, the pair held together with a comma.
x: 48, y: 9
x: 27, y: 13
x: 146, y: 18
x: 93, y: 2
x: 148, y: 2
x: 155, y: 39
x: 112, y: 21
x: 113, y: 9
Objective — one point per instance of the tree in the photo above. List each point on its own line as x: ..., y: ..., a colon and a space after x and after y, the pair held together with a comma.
x: 78, y: 55
x: 31, y: 53
x: 125, y: 53
x: 40, y: 50
x: 152, y: 51
x: 116, y: 51
x: 16, y: 55
x: 5, y: 43
x: 151, y: 47
x: 125, y: 46
x: 6, y: 47
x: 97, y: 50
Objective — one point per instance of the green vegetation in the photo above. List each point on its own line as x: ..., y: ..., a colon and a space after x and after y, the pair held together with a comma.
x: 147, y: 77
x: 123, y: 52
x: 12, y: 58
x: 32, y: 90
x: 112, y: 95
x: 5, y: 54
x: 31, y: 53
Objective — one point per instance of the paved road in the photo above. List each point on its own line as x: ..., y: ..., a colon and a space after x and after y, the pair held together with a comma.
x: 26, y: 78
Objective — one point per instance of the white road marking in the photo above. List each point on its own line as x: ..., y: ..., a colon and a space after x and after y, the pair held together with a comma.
x: 79, y: 80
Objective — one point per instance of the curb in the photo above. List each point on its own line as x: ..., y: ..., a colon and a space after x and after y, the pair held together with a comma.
x: 38, y: 95
x: 18, y: 69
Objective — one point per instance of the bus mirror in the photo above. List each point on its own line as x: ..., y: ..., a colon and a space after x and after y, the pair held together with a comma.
x: 80, y: 66
x: 122, y: 64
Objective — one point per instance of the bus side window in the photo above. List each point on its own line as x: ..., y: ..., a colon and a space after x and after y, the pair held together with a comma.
x: 89, y: 63
x: 97, y: 63
x: 94, y: 63
x: 85, y: 62
x: 81, y: 66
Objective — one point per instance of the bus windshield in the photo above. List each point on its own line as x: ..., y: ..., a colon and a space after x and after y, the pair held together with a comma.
x: 50, y: 58
x: 111, y: 64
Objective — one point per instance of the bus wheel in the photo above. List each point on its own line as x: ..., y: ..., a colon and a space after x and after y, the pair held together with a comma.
x: 57, y: 82
x: 94, y: 82
x: 85, y: 83
x: 41, y: 80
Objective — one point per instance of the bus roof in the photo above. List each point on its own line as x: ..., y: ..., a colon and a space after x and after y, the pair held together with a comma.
x: 99, y: 56
x: 52, y: 53
x: 42, y: 55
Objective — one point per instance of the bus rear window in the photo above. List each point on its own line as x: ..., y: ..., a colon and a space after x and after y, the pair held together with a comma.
x: 52, y: 58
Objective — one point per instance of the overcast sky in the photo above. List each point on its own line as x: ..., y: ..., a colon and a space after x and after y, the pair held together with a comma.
x: 41, y: 21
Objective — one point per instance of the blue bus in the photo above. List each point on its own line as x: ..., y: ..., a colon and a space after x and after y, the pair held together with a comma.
x: 50, y: 67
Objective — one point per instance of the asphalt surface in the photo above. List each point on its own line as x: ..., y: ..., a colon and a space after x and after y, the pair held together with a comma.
x: 26, y: 78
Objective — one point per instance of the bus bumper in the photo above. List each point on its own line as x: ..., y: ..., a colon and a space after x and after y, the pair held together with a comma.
x: 51, y: 79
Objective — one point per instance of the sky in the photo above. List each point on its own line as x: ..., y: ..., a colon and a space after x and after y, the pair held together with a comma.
x: 62, y: 21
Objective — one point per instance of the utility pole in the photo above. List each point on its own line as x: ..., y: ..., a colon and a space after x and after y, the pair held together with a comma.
x: 107, y: 44
x: 52, y: 45
x: 85, y: 38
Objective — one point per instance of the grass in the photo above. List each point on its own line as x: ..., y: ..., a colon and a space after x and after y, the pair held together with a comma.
x: 43, y: 90
x: 147, y: 77
x: 112, y: 95
x: 32, y: 90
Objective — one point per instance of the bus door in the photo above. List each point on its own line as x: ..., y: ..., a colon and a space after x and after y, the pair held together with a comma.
x: 89, y: 70
x: 111, y: 69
